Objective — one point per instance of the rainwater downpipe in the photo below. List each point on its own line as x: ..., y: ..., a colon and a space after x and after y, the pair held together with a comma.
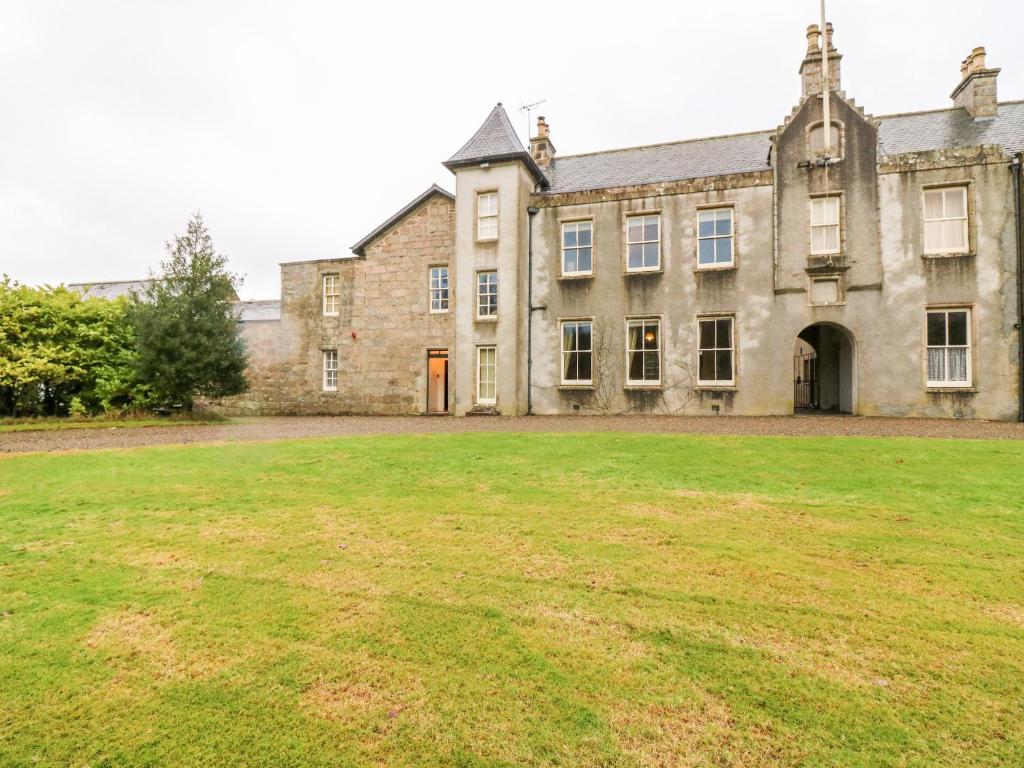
x: 532, y: 211
x: 1018, y: 160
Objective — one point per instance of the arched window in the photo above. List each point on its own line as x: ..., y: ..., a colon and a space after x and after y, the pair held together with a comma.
x: 816, y: 141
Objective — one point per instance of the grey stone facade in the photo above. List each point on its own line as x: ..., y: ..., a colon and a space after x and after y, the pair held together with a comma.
x: 845, y: 325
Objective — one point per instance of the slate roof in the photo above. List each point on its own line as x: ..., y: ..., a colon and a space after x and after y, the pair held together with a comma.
x: 112, y: 289
x: 359, y: 248
x: 495, y: 141
x: 747, y: 152
x: 261, y: 309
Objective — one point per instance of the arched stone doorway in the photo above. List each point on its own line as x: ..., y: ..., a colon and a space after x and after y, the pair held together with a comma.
x: 825, y: 370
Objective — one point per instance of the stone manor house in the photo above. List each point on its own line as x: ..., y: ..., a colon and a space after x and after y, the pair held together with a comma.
x: 875, y: 269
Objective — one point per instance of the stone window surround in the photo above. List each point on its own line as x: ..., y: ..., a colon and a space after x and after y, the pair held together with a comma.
x: 972, y: 363
x: 642, y: 386
x: 626, y: 216
x: 732, y: 206
x: 842, y: 223
x: 575, y: 385
x: 561, y: 260
x: 477, y: 194
x: 818, y: 124
x: 732, y: 386
x: 972, y: 234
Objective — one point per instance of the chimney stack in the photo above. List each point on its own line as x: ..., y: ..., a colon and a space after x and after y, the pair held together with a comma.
x: 977, y: 90
x: 541, y: 148
x: 811, y: 68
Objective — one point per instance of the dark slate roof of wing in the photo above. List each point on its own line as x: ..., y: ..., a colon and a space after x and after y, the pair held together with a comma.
x: 743, y: 153
x: 949, y: 128
x: 111, y: 289
x: 255, y: 311
x: 359, y: 248
x: 495, y: 141
x: 662, y: 162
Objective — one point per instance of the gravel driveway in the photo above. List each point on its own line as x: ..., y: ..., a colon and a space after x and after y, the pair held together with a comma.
x: 289, y: 427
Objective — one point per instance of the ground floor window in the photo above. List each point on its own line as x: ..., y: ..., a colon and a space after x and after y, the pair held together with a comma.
x: 330, y: 370
x: 949, y: 347
x: 486, y: 375
x: 716, y: 350
x: 577, y: 351
x: 643, y: 351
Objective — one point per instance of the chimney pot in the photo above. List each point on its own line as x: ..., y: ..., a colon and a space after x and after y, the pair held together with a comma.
x: 828, y: 37
x: 813, y: 39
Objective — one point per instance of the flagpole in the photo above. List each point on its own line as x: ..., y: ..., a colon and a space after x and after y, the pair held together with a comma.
x: 825, y: 83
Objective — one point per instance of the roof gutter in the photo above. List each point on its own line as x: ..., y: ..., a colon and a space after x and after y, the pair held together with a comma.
x: 1018, y: 191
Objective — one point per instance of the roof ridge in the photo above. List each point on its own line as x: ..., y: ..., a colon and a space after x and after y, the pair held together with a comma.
x: 765, y: 132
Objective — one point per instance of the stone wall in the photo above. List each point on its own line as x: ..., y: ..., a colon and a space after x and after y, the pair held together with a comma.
x: 382, y: 332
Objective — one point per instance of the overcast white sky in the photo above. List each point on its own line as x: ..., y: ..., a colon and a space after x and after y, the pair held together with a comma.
x: 297, y: 127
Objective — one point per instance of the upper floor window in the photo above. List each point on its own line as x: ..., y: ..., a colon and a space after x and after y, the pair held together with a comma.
x: 643, y: 352
x: 716, y: 351
x: 577, y: 248
x: 945, y: 220
x: 487, y: 216
x: 824, y: 225
x: 439, y: 289
x: 332, y: 294
x: 487, y: 294
x: 643, y: 243
x: 714, y: 238
x: 577, y: 351
x: 949, y: 348
x: 816, y: 141
x: 330, y: 370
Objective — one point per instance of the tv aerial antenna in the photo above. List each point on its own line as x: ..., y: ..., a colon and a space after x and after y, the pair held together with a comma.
x: 526, y: 109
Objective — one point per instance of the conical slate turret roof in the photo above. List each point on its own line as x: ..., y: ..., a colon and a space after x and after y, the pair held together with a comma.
x: 495, y: 141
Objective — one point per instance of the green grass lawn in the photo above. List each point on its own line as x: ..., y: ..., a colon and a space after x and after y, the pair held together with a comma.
x: 511, y: 600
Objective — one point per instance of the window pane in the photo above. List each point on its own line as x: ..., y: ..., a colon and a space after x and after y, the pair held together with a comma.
x: 957, y: 364
x: 953, y: 234
x: 571, y: 366
x: 636, y: 366
x: 724, y: 224
x: 584, y: 233
x: 650, y: 336
x: 723, y: 250
x: 936, y: 329
x: 583, y: 336
x: 933, y: 236
x: 568, y: 337
x: 706, y: 252
x: 707, y: 334
x: 937, y: 364
x: 570, y: 263
x: 724, y: 332
x: 707, y: 366
x: 634, y: 229
x: 651, y: 228
x: 569, y: 235
x: 585, y: 360
x: 705, y: 224
x: 723, y: 365
x: 650, y: 254
x: 652, y: 366
x: 933, y: 204
x: 955, y: 207
x: 636, y: 255
x: 817, y: 239
x: 817, y: 212
x: 583, y: 260
x: 958, y: 328
x: 636, y: 332
x: 831, y: 237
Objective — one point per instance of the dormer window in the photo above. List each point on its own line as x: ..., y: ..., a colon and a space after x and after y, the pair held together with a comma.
x: 816, y: 141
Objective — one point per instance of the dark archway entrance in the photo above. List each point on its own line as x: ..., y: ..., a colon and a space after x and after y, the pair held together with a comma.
x: 824, y: 370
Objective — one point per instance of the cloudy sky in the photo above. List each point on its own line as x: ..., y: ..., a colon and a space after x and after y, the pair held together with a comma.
x: 296, y: 127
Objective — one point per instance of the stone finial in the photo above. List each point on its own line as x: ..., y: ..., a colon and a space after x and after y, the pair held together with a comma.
x: 813, y: 39
x: 977, y: 90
